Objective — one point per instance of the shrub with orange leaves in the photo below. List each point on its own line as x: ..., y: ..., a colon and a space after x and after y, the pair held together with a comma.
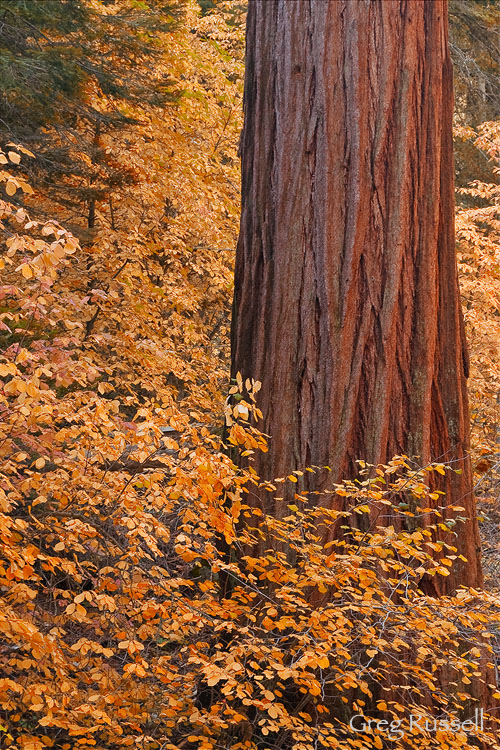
x: 119, y: 628
x: 478, y: 243
x: 478, y: 235
x: 131, y: 612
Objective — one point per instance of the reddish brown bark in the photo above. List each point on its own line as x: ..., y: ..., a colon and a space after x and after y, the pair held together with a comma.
x: 346, y: 302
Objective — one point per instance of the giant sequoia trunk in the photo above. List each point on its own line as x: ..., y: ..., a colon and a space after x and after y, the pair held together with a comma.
x: 346, y: 302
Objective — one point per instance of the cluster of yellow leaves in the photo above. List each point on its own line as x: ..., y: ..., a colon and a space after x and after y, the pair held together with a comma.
x: 155, y: 269
x: 133, y: 612
x: 105, y: 344
x: 478, y: 240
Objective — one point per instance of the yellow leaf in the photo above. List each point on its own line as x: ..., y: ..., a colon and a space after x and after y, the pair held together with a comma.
x: 15, y: 158
x: 7, y: 368
x: 32, y: 743
x: 26, y: 271
x: 10, y: 187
